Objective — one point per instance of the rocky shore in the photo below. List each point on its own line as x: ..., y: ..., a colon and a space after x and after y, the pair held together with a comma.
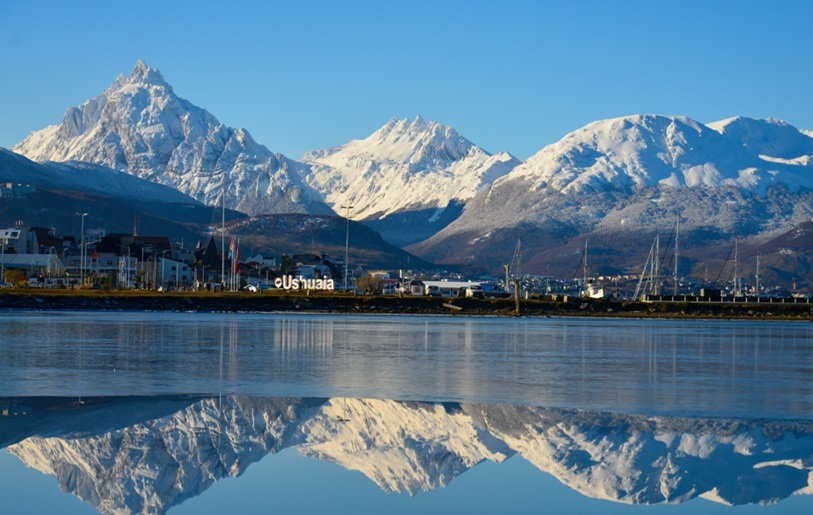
x: 339, y: 303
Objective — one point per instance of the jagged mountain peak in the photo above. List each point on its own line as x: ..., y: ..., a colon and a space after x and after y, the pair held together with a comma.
x: 636, y: 173
x: 402, y: 140
x: 140, y: 126
x: 143, y: 75
x: 413, y: 173
x: 401, y: 125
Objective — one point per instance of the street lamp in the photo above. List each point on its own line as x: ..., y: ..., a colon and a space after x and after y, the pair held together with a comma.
x: 126, y: 266
x: 143, y: 267
x: 82, y: 249
x: 51, y: 261
x: 163, y: 253
x: 347, y: 209
x: 3, y: 261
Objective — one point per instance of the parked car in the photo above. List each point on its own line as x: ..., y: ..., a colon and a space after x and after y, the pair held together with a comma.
x: 433, y: 291
x: 416, y: 288
x: 494, y: 292
x: 474, y: 291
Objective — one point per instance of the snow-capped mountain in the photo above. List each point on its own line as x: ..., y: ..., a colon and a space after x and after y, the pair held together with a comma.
x: 140, y: 126
x: 636, y: 175
x: 154, y: 464
x: 407, y: 180
x: 645, y: 151
x: 401, y: 446
x: 422, y: 184
x: 774, y: 140
x: 642, y: 460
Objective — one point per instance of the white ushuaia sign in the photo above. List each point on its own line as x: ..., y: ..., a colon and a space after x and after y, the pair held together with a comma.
x: 289, y: 282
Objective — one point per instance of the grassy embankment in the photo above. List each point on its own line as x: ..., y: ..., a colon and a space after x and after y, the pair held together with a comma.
x: 331, y: 302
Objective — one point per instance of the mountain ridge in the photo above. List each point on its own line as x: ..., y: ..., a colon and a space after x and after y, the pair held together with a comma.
x: 407, y: 180
x: 140, y: 126
x: 629, y: 177
x: 412, y: 447
x: 426, y: 188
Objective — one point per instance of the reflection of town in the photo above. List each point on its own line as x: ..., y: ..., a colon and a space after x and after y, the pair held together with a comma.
x: 147, y: 454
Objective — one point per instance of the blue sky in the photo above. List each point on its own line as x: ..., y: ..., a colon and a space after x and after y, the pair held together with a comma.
x: 509, y: 76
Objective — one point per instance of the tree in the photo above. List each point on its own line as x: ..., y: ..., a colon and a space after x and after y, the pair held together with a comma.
x: 17, y: 278
x: 369, y: 283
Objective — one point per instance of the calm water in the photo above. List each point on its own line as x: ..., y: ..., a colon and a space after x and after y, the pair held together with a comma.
x: 535, y: 412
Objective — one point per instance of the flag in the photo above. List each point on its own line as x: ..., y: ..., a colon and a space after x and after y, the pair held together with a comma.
x: 236, y: 256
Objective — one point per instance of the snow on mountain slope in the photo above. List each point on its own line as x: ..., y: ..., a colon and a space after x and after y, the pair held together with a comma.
x: 772, y: 139
x: 140, y: 126
x: 641, y: 460
x: 644, y: 151
x: 406, y: 167
x: 401, y: 446
x: 403, y: 165
x: 628, y: 175
x: 155, y: 464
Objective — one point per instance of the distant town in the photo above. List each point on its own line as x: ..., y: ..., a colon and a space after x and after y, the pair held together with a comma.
x: 39, y: 257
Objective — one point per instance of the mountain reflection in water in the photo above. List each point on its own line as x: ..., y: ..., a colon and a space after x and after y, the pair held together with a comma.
x: 147, y: 454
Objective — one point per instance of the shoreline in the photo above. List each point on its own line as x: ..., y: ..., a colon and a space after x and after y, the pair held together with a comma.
x: 208, y: 302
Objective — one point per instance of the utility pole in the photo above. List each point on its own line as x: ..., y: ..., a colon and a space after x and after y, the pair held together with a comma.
x: 736, y: 258
x: 82, y: 249
x: 3, y: 262
x: 516, y: 294
x: 347, y: 209
x: 584, y: 279
x: 547, y: 279
x: 757, y: 276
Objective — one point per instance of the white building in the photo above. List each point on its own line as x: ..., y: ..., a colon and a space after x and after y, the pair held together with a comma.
x: 173, y: 272
x: 451, y: 288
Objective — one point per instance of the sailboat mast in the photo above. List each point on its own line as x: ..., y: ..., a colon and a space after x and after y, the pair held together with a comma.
x: 736, y: 259
x: 519, y: 258
x: 638, y: 289
x: 223, y: 232
x: 656, y: 266
x: 519, y: 269
x: 677, y: 240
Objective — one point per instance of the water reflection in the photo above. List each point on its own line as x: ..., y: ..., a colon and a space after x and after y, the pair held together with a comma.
x: 695, y: 368
x: 147, y: 454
